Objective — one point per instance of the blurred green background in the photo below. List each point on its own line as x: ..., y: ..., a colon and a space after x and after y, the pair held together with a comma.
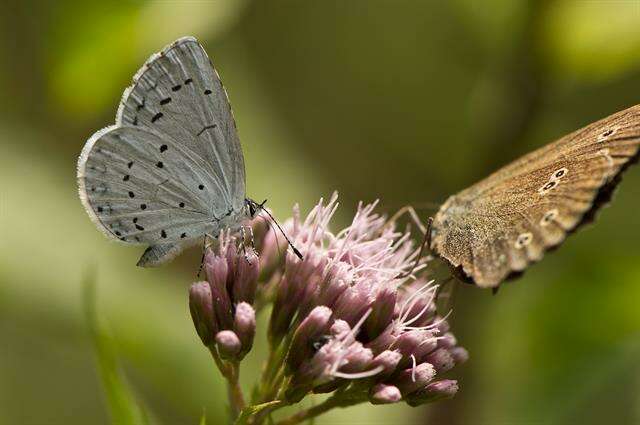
x: 407, y: 101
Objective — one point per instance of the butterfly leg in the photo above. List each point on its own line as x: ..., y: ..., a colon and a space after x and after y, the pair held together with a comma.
x: 408, y: 209
x: 253, y: 241
x: 426, y: 242
x: 205, y: 246
x: 243, y: 234
x: 204, y: 250
x: 447, y: 295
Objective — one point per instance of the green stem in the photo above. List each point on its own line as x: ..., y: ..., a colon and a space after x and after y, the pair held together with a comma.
x: 342, y: 399
x: 236, y: 398
x: 231, y: 372
x: 255, y: 415
x: 272, y: 372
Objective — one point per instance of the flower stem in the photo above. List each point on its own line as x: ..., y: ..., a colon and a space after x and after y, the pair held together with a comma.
x: 236, y: 398
x: 271, y: 373
x: 231, y: 372
x: 341, y: 399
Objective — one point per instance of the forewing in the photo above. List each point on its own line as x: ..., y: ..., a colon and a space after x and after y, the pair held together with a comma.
x: 178, y: 94
x: 140, y: 188
x: 511, y: 218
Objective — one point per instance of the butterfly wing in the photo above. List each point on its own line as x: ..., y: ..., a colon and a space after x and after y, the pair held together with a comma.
x: 140, y: 188
x: 499, y: 226
x: 178, y: 93
x: 171, y: 169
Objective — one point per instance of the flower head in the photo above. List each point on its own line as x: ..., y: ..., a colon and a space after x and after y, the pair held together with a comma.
x: 353, y: 316
x: 373, y: 323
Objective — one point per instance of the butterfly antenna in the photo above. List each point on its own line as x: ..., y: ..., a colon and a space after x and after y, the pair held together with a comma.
x: 274, y: 234
x: 295, y: 250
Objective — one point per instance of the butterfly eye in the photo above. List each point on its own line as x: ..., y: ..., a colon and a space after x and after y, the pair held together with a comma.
x: 252, y: 210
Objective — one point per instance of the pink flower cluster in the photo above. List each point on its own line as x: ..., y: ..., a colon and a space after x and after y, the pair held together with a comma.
x: 353, y: 316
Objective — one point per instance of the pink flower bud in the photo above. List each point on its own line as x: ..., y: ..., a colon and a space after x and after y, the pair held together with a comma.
x: 216, y: 268
x: 247, y: 268
x: 434, y: 391
x: 222, y: 306
x: 217, y: 272
x: 308, y: 337
x: 384, y: 394
x: 274, y: 245
x: 381, y: 312
x: 228, y: 344
x: 448, y: 340
x: 460, y: 355
x: 289, y: 296
x: 358, y: 359
x: 441, y: 360
x: 245, y: 326
x: 384, y: 341
x: 412, y: 379
x: 334, y: 284
x: 427, y: 346
x: 446, y: 388
x: 351, y: 305
x: 409, y: 343
x: 388, y: 360
x: 201, y: 307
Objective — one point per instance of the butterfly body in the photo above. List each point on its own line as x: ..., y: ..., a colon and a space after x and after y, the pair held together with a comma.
x: 496, y: 228
x: 171, y: 169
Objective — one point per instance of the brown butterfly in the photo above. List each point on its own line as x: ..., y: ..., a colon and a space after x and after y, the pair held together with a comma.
x: 493, y: 230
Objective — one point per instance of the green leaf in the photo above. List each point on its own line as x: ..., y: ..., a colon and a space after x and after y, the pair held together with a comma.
x: 203, y: 418
x: 121, y: 401
x: 249, y: 411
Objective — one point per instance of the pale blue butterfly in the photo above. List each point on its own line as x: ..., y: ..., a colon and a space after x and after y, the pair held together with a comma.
x: 171, y: 169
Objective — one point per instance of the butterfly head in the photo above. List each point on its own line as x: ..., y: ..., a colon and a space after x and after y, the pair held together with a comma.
x: 253, y: 207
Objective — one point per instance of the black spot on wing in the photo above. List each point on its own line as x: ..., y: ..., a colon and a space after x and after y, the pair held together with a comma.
x: 156, y: 117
